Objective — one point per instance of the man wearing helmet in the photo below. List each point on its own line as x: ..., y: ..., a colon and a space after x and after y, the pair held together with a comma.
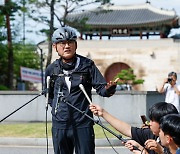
x: 70, y: 128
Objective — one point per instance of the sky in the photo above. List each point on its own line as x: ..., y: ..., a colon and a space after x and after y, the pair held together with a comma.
x: 165, y: 4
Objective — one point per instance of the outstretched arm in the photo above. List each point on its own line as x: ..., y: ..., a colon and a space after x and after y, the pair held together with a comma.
x: 121, y: 126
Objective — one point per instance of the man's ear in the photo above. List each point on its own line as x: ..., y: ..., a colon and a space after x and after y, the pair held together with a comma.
x: 54, y: 45
x: 169, y: 139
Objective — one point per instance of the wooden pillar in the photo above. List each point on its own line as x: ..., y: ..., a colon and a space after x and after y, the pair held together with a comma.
x: 109, y: 37
x: 147, y: 35
x: 81, y: 35
x: 141, y: 35
x: 100, y: 34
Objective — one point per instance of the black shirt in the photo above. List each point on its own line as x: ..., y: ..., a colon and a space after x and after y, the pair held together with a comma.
x: 141, y: 135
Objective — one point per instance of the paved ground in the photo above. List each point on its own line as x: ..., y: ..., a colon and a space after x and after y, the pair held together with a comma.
x: 43, y: 141
x: 39, y: 145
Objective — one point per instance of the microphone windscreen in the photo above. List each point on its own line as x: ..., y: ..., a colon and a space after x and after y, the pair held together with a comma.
x: 81, y: 86
x: 48, y: 81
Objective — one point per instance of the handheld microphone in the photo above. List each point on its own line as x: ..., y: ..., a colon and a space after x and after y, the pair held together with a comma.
x: 47, y: 94
x: 84, y: 91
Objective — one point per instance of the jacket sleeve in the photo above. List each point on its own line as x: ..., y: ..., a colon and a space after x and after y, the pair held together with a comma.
x: 98, y: 82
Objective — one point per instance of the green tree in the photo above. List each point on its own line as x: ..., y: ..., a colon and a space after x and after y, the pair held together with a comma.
x: 8, y: 32
x: 3, y: 52
x: 127, y: 76
x: 24, y: 55
x: 3, y: 65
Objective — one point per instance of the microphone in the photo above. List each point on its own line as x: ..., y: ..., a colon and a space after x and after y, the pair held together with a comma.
x: 47, y: 94
x: 84, y: 91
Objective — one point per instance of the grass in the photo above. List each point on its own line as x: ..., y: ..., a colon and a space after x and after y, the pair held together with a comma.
x: 38, y: 130
x: 31, y: 130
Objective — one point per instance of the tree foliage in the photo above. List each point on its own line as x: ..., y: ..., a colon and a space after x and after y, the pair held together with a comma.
x: 127, y: 76
x: 14, y: 9
x: 25, y: 56
x: 3, y: 64
x: 8, y: 33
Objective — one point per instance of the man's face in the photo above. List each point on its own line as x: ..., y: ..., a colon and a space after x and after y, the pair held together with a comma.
x: 66, y: 49
x: 164, y: 138
x: 154, y: 126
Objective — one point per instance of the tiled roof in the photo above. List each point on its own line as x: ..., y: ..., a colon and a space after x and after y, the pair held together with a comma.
x: 126, y: 15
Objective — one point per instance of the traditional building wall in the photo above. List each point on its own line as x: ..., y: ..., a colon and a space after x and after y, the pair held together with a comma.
x: 151, y: 60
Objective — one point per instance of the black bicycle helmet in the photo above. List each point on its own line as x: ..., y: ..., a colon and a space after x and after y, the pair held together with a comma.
x: 64, y: 34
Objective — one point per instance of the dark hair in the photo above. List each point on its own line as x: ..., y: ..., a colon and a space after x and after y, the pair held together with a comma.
x: 172, y: 74
x: 158, y: 110
x: 170, y: 125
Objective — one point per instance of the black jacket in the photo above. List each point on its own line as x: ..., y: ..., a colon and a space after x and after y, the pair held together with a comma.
x: 88, y: 75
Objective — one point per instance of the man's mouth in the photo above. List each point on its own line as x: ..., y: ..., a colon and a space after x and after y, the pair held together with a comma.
x: 67, y: 50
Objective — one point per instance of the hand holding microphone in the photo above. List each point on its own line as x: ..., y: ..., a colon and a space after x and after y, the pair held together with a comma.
x: 111, y: 86
x: 84, y: 91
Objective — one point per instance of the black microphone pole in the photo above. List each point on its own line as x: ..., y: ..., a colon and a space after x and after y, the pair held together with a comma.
x: 97, y: 122
x: 100, y: 124
x: 42, y: 93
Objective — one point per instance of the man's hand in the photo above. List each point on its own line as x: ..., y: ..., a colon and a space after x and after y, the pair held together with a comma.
x: 153, y: 145
x: 96, y: 110
x: 111, y: 86
x: 165, y: 80
x: 130, y: 145
x: 161, y: 88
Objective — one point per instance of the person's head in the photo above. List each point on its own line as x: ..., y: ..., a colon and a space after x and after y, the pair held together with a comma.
x: 64, y: 42
x: 170, y: 130
x: 172, y: 77
x: 157, y: 111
